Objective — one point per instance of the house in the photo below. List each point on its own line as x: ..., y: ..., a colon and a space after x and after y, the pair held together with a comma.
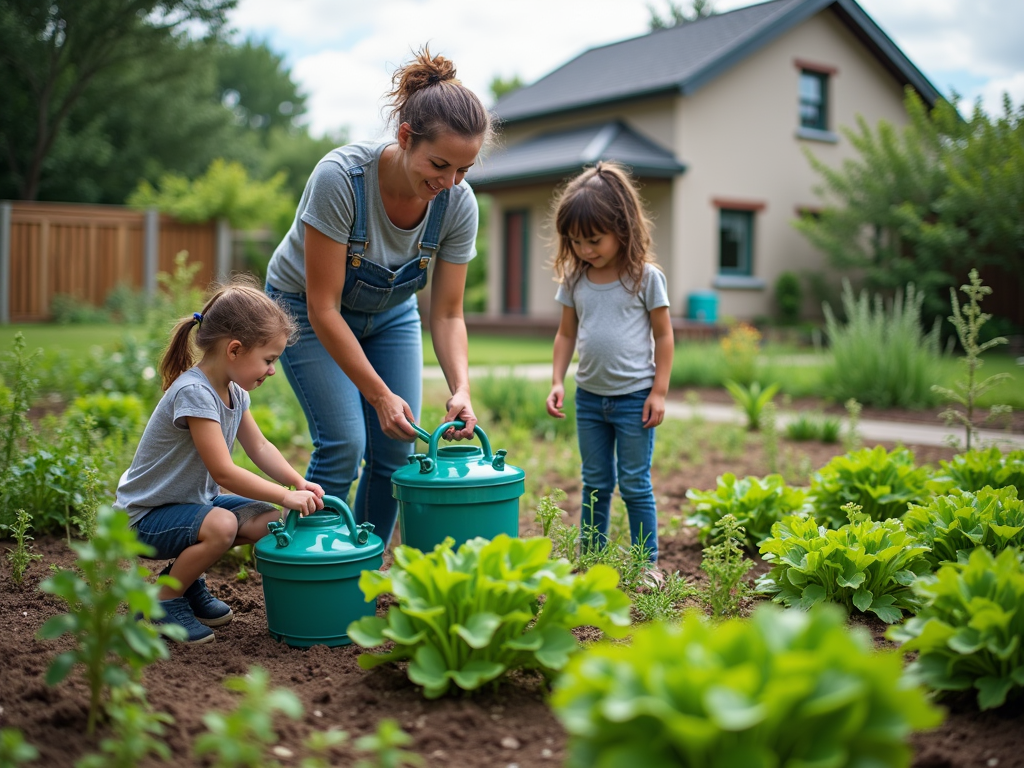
x: 714, y: 117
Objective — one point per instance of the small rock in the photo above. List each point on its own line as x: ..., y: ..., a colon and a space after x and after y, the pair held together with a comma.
x: 546, y: 753
x: 495, y: 716
x: 992, y: 762
x: 512, y: 765
x: 24, y: 613
x: 510, y: 742
x: 282, y: 752
x: 438, y: 753
x: 421, y: 722
x: 317, y: 713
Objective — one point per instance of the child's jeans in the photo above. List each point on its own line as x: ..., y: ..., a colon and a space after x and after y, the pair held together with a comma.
x: 615, y: 445
x: 173, y: 528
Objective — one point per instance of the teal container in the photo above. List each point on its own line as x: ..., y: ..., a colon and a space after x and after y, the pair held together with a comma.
x: 310, y: 567
x: 462, y: 491
x: 702, y: 306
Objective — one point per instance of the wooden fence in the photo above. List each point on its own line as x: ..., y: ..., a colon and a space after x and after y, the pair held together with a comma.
x: 85, y: 251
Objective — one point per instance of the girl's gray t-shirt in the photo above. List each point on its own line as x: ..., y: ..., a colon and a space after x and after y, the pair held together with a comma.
x: 615, y: 340
x: 167, y: 468
x: 328, y: 205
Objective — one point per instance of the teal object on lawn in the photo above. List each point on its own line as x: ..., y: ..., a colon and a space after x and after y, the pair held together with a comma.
x: 462, y: 491
x: 310, y: 567
x: 703, y: 306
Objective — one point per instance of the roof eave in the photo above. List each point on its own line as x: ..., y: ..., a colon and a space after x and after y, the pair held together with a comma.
x: 554, y: 175
x: 669, y: 90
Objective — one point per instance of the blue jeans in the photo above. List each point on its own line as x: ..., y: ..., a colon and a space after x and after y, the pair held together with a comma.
x: 615, y: 446
x: 343, y: 425
x: 173, y: 528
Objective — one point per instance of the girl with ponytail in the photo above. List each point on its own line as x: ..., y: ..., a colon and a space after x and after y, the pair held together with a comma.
x: 373, y: 217
x: 171, y: 491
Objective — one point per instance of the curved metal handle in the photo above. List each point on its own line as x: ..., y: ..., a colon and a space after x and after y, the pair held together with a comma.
x: 436, y: 437
x: 421, y: 433
x: 358, y: 534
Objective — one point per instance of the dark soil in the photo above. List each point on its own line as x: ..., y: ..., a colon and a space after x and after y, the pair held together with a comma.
x: 511, y: 725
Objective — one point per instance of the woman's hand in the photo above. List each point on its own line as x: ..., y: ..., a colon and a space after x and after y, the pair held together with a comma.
x: 395, y: 417
x: 303, y: 502
x: 654, y: 410
x: 556, y: 400
x: 460, y: 409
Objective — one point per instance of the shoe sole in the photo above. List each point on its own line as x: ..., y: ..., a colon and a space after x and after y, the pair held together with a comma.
x: 220, y: 621
x: 201, y: 641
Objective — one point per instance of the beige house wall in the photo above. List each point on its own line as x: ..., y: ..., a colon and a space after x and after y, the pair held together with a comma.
x: 737, y: 135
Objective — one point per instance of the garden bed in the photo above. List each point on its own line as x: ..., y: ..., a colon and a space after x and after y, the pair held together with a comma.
x: 497, y: 727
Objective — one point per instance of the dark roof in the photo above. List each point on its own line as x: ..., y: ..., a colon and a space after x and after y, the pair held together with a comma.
x: 556, y: 155
x: 683, y: 58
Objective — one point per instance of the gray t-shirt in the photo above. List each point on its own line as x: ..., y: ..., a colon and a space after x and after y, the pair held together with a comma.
x: 615, y: 340
x: 328, y: 205
x: 167, y: 468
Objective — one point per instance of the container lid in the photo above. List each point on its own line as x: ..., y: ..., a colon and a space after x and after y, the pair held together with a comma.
x: 328, y: 536
x: 456, y: 466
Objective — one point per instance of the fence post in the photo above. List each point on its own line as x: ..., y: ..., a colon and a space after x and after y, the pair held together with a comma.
x: 5, y: 263
x: 151, y: 251
x: 222, y: 259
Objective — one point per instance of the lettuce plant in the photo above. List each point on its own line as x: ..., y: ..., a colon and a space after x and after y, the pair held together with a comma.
x: 968, y: 632
x: 866, y: 564
x: 467, y: 616
x: 973, y: 470
x: 755, y: 503
x: 881, y: 482
x: 954, y: 524
x: 784, y: 688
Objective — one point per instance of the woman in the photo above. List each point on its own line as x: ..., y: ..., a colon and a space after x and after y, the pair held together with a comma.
x: 372, y: 218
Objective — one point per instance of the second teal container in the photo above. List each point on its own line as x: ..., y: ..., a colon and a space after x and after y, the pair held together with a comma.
x: 462, y: 491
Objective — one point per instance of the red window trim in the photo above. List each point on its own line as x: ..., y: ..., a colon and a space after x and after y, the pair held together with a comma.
x: 812, y: 66
x: 738, y: 205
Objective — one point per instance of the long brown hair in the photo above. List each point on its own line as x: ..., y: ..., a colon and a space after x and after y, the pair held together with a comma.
x: 603, y: 199
x: 426, y: 94
x: 238, y: 310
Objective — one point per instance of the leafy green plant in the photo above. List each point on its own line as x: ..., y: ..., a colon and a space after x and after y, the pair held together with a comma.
x: 975, y: 469
x: 19, y: 557
x: 14, y: 750
x: 109, y: 412
x: 751, y: 400
x: 385, y: 746
x: 968, y: 321
x: 468, y: 616
x: 788, y: 298
x: 831, y: 429
x: 866, y: 564
x: 851, y: 438
x: 881, y: 482
x: 740, y: 348
x: 882, y: 357
x: 510, y: 399
x: 320, y: 744
x: 756, y: 504
x: 784, y: 688
x: 111, y: 645
x: 725, y: 566
x: 805, y: 426
x: 665, y: 603
x: 239, y: 739
x: 769, y: 425
x: 17, y: 369
x: 137, y: 733
x: 968, y: 631
x: 954, y: 524
x: 66, y: 309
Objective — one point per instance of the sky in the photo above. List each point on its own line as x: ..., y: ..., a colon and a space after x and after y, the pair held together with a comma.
x: 342, y: 52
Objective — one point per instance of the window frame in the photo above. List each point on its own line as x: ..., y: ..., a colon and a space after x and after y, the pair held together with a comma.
x: 822, y: 105
x: 510, y: 290
x: 745, y: 257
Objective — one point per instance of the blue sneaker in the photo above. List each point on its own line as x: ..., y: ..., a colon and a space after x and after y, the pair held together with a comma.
x: 178, y: 612
x: 206, y: 608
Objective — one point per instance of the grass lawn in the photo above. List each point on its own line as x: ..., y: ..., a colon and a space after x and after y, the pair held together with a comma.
x: 76, y: 339
x: 498, y: 350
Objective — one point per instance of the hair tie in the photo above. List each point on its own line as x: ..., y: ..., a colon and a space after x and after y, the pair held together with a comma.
x: 197, y: 318
x: 433, y: 78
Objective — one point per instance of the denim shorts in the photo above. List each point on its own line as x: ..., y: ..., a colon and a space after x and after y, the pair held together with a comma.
x: 173, y: 528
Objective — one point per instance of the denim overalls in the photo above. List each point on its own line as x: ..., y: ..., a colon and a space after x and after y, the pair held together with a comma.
x: 380, y: 307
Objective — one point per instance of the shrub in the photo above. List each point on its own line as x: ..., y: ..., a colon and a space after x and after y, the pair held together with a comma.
x: 788, y: 298
x: 752, y: 400
x: 973, y: 470
x: 785, y: 688
x: 111, y: 645
x: 19, y: 557
x: 466, y: 617
x: 740, y: 349
x: 511, y: 400
x: 968, y: 632
x: 725, y: 567
x: 867, y: 565
x: 881, y: 482
x: 757, y: 504
x: 698, y: 365
x: 110, y: 413
x: 67, y: 310
x: 882, y: 357
x: 953, y: 525
x: 17, y: 369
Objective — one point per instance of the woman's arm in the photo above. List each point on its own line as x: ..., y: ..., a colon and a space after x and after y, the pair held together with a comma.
x: 664, y: 346
x: 448, y: 331
x: 267, y: 457
x: 325, y: 281
x: 565, y: 345
x: 209, y: 441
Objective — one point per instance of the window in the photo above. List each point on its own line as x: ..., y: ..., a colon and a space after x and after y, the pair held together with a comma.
x: 736, y: 241
x: 516, y: 262
x: 814, y: 100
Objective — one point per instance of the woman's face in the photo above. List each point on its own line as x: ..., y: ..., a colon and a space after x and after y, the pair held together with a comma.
x: 439, y: 164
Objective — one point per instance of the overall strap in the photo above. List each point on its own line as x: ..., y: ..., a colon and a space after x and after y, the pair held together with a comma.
x: 357, y: 242
x: 432, y: 234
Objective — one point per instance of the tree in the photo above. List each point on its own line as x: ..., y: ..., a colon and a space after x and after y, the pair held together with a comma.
x: 926, y: 202
x: 700, y: 9
x: 502, y: 86
x: 52, y: 52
